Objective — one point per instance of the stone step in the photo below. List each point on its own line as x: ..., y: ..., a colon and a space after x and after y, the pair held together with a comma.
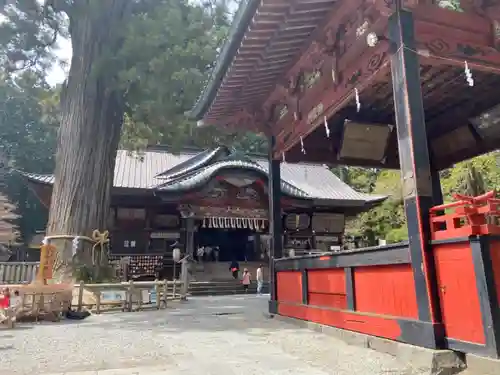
x: 205, y: 285
x: 222, y: 288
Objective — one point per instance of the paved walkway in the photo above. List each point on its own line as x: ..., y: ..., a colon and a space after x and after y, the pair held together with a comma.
x: 205, y: 336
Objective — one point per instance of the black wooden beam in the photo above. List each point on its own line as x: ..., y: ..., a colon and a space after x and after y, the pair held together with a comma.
x: 275, y: 220
x: 349, y: 286
x: 379, y: 256
x: 487, y: 293
x: 414, y: 159
x: 305, y: 288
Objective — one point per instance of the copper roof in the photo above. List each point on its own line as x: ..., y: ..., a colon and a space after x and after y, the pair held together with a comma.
x: 316, y: 181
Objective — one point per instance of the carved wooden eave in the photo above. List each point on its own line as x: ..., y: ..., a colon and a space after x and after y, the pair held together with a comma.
x: 300, y: 62
x: 444, y: 39
x: 267, y: 41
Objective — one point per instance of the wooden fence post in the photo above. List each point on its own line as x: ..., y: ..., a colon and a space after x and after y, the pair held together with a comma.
x: 139, y: 299
x: 130, y: 295
x: 174, y: 288
x: 98, y: 302
x: 165, y: 292
x: 80, y: 295
x: 158, y: 296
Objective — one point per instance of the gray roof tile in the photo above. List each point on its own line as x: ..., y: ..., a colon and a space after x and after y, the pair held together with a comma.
x: 317, y: 181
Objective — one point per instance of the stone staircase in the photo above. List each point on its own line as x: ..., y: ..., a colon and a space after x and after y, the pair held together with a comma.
x: 222, y: 287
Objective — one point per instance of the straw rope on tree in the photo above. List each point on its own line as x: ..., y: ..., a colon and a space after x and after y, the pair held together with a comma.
x: 54, y: 295
x: 98, y: 257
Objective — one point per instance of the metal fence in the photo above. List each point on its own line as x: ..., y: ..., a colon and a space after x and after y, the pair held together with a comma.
x: 18, y: 272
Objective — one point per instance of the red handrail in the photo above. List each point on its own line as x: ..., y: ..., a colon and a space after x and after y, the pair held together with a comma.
x: 479, y: 199
x: 444, y: 206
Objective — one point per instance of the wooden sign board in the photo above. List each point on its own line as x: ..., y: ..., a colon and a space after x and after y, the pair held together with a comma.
x: 365, y: 141
x: 47, y: 258
x: 113, y: 296
x: 488, y: 123
x: 165, y: 235
x: 455, y: 141
x: 297, y: 221
x: 328, y: 223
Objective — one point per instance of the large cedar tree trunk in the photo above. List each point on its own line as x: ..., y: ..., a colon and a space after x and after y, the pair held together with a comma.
x: 92, y: 115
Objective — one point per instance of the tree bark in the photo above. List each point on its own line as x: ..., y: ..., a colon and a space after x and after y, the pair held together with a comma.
x: 92, y: 116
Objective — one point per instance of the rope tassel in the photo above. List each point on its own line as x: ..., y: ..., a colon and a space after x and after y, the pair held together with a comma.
x: 468, y: 75
x: 358, y: 102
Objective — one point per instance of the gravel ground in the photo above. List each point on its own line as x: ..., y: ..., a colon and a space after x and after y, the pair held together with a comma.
x: 206, y: 335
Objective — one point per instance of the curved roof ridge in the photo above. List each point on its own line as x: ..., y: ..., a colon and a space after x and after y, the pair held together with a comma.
x: 196, y: 162
x: 200, y: 177
x: 318, y: 182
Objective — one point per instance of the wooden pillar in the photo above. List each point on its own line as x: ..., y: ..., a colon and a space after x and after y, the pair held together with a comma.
x: 186, y: 264
x: 415, y: 165
x: 275, y: 222
x: 189, y: 226
x: 437, y: 191
x: 483, y: 249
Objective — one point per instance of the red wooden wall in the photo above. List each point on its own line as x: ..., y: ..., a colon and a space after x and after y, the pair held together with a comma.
x: 386, y: 290
x: 381, y: 295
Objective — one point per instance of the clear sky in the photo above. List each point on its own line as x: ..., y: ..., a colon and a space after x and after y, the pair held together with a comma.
x: 57, y: 74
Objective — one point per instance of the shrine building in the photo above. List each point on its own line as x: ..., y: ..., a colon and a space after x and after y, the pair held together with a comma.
x: 412, y: 85
x: 217, y: 199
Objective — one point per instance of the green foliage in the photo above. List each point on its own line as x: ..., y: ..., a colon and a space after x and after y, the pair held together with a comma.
x: 387, y: 221
x: 480, y: 174
x: 29, y: 117
x: 450, y: 4
x: 166, y: 58
x: 28, y: 31
x: 161, y: 54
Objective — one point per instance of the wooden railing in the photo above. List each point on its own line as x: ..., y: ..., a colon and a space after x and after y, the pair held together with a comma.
x: 128, y: 296
x: 18, y: 272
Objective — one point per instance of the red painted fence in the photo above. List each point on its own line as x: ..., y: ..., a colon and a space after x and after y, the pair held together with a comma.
x: 376, y: 291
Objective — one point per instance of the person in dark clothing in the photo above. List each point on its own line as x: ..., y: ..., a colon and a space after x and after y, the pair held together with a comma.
x: 234, y: 268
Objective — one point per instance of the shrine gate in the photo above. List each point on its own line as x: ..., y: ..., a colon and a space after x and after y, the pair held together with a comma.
x: 410, y: 85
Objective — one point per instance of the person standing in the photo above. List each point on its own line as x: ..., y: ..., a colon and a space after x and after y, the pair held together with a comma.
x: 234, y: 268
x: 246, y: 279
x: 260, y: 279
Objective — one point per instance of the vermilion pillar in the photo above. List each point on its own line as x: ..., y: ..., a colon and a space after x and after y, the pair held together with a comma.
x: 415, y: 165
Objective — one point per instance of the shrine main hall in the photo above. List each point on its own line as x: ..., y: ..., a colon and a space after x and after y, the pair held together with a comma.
x: 217, y: 199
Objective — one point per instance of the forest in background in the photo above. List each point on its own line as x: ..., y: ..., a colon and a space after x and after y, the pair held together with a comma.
x: 159, y: 76
x: 472, y: 177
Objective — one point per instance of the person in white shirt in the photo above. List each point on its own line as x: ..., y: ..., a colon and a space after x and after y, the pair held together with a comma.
x: 16, y: 301
x: 260, y: 279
